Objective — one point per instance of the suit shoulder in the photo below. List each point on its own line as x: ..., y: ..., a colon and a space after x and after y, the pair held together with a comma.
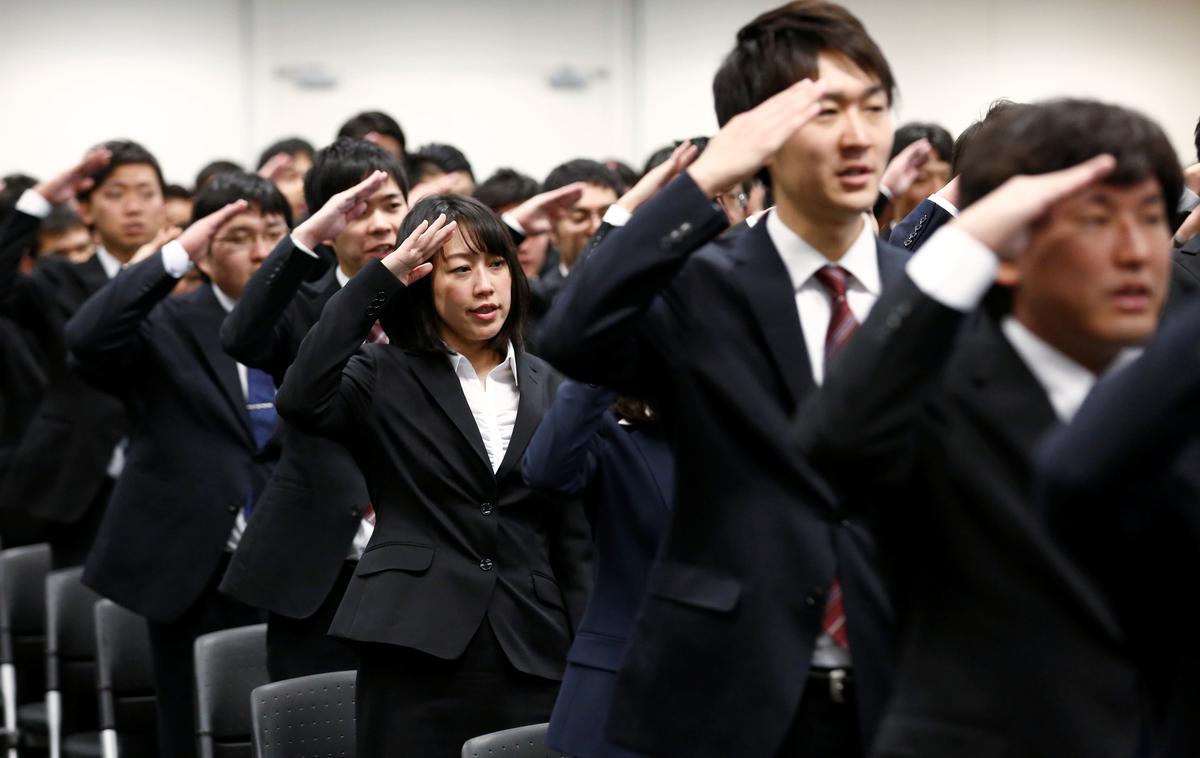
x: 718, y: 254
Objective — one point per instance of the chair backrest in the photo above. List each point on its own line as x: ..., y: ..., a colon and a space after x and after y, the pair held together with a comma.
x: 71, y: 648
x: 306, y: 717
x: 521, y: 742
x: 229, y: 665
x: 23, y: 573
x: 125, y: 680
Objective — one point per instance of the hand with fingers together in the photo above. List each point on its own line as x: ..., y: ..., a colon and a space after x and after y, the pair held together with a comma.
x: 337, y: 213
x: 750, y: 139
x: 1004, y: 219
x: 76, y: 179
x: 410, y: 261
x: 904, y: 169
x: 659, y: 176
x: 197, y: 237
x: 276, y: 166
x: 538, y: 214
x: 161, y: 238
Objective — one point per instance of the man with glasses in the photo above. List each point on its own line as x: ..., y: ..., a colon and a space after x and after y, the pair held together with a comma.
x: 202, y: 441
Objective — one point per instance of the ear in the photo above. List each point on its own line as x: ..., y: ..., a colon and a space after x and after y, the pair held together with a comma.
x: 205, y: 265
x: 1009, y: 274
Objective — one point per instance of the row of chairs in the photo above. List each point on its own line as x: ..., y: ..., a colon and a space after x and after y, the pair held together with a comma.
x: 90, y: 659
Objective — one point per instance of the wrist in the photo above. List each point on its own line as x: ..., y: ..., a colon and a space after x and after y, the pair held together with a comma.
x: 304, y: 236
x: 708, y: 181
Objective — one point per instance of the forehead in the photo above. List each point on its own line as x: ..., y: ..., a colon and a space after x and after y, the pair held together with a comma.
x: 596, y: 195
x: 132, y: 174
x: 388, y: 189
x: 843, y: 78
x: 253, y: 219
x: 1148, y: 191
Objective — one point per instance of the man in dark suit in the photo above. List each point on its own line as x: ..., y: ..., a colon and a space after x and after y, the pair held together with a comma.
x: 930, y: 420
x: 766, y: 629
x: 65, y: 465
x: 201, y: 441
x: 316, y: 504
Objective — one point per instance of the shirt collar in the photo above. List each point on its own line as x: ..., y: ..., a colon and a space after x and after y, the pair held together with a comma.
x: 1066, y: 382
x: 802, y: 260
x: 506, y: 371
x: 226, y: 301
x: 108, y: 262
x: 342, y: 276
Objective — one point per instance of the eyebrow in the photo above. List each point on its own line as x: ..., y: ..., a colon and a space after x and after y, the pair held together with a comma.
x: 840, y: 97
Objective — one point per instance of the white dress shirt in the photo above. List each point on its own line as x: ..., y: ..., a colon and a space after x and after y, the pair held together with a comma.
x: 493, y: 403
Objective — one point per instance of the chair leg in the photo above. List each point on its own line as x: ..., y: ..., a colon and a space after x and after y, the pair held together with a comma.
x: 54, y: 722
x: 108, y: 743
x: 8, y: 693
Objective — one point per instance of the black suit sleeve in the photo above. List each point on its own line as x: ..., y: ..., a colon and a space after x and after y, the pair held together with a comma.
x: 861, y: 428
x: 18, y: 233
x: 329, y: 386
x: 595, y: 329
x: 561, y: 458
x: 917, y: 227
x: 256, y: 333
x: 104, y: 334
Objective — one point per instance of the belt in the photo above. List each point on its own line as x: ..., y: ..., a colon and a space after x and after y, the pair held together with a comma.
x: 839, y: 681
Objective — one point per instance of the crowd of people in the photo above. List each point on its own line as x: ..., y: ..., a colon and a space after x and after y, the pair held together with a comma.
x: 816, y: 437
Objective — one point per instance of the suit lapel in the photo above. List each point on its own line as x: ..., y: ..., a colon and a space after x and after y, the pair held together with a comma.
x: 658, y: 460
x: 203, y: 318
x: 433, y: 371
x: 530, y: 408
x: 768, y: 290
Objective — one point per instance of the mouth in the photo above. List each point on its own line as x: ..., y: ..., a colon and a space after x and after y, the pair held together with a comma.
x: 380, y: 250
x: 485, y: 313
x: 1132, y: 298
x: 855, y: 175
x: 134, y: 228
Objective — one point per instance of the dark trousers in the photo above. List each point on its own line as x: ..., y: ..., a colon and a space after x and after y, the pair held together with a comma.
x: 412, y: 704
x: 300, y: 647
x: 823, y: 727
x: 174, y: 663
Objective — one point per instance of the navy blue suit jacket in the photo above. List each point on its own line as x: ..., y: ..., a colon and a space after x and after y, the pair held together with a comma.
x: 918, y: 226
x: 626, y: 477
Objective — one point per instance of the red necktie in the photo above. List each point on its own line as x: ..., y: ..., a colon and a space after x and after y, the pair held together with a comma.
x: 375, y: 337
x: 842, y: 326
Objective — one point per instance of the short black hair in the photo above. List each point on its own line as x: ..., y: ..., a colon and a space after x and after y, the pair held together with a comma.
x: 227, y: 187
x: 62, y: 218
x: 214, y: 169
x: 379, y: 122
x: 780, y: 47
x: 124, y: 153
x: 1057, y: 134
x: 412, y: 320
x: 176, y: 191
x: 14, y: 186
x: 939, y: 139
x: 344, y: 164
x: 660, y: 156
x: 442, y: 158
x: 962, y: 144
x: 506, y: 188
x: 1198, y: 139
x: 290, y: 145
x: 583, y: 170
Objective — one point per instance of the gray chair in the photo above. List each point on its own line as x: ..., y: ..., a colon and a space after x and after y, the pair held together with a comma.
x: 521, y: 742
x: 306, y: 717
x: 125, y: 683
x: 71, y: 712
x: 23, y: 573
x: 229, y: 665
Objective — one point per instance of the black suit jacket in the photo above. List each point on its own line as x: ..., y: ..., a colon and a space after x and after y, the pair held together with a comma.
x: 455, y: 544
x: 312, y: 506
x: 1120, y: 488
x: 1006, y: 648
x: 192, y: 462
x: 722, y: 647
x: 60, y: 464
x: 919, y: 225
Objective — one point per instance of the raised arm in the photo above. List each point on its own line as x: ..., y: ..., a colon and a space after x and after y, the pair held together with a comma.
x: 561, y: 459
x: 328, y: 387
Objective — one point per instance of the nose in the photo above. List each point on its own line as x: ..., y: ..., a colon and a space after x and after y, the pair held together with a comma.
x: 377, y: 221
x: 854, y: 129
x: 594, y: 220
x: 261, y: 248
x: 1135, y: 244
x: 484, y: 285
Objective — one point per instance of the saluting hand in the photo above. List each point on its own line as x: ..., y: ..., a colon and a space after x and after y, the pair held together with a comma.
x: 197, y: 237
x: 659, y: 176
x: 903, y: 170
x: 538, y: 214
x: 74, y: 180
x: 337, y: 212
x: 410, y: 261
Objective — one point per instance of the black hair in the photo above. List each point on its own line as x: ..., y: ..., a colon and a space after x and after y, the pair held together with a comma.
x: 780, y: 47
x: 14, y: 186
x: 660, y: 156
x: 62, y: 218
x: 939, y: 139
x: 176, y: 191
x: 225, y: 188
x: 1198, y: 140
x: 623, y: 171
x: 379, y: 122
x: 290, y: 145
x: 1058, y: 134
x: 506, y: 188
x: 412, y: 320
x: 124, y: 153
x: 583, y: 170
x: 963, y: 143
x: 443, y: 159
x: 345, y: 163
x: 214, y: 169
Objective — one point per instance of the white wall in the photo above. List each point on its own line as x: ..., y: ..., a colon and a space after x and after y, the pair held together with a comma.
x: 196, y: 81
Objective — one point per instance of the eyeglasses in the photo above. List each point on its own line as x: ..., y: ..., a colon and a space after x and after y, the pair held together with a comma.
x: 241, y: 240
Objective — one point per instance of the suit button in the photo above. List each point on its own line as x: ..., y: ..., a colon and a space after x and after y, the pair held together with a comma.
x: 234, y: 508
x: 815, y: 596
x: 355, y: 513
x: 486, y: 564
x: 486, y: 509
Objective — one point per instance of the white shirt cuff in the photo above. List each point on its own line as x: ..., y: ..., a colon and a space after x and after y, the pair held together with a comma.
x: 954, y: 269
x: 617, y: 216
x: 885, y: 191
x: 946, y: 204
x: 302, y: 248
x: 515, y: 225
x: 175, y: 259
x: 33, y: 204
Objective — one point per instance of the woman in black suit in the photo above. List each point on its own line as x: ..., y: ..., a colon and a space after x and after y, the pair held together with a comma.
x: 461, y: 606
